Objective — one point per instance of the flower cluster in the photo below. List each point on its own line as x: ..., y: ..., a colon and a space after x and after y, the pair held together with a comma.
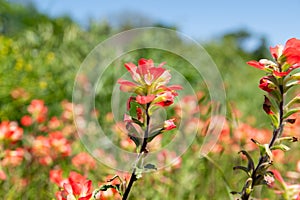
x: 149, y: 92
x: 149, y: 84
x: 12, y: 155
x: 282, y: 75
x: 48, y: 148
x: 74, y: 187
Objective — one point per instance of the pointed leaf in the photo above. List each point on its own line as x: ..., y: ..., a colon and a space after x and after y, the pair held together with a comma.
x: 290, y: 85
x: 137, y: 141
x: 150, y: 167
x: 154, y: 134
x: 281, y: 147
x: 262, y: 148
x: 250, y: 160
x: 245, y: 169
x: 287, y: 139
x: 268, y: 151
x: 137, y: 122
x: 295, y: 100
x: 234, y: 192
x: 263, y: 167
x: 291, y: 121
x: 106, y: 187
x: 290, y: 112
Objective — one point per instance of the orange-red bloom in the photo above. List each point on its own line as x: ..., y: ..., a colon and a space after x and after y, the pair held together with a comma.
x: 287, y: 58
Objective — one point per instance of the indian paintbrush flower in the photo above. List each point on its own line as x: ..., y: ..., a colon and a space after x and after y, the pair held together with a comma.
x: 149, y: 91
x: 281, y: 76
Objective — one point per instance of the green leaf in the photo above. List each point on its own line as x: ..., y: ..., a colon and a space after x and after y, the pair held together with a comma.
x: 281, y: 147
x: 263, y: 167
x: 106, y: 187
x: 268, y: 151
x: 285, y: 67
x: 154, y: 134
x: 287, y: 139
x: 290, y: 121
x: 290, y: 112
x: 245, y: 169
x: 261, y: 147
x: 250, y: 160
x: 275, y: 120
x: 133, y: 106
x: 137, y: 141
x: 294, y: 101
x: 290, y: 85
x: 295, y: 76
x: 150, y: 167
x: 234, y: 192
x: 137, y: 122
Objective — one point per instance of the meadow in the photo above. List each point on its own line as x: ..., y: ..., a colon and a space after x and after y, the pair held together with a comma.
x: 42, y: 145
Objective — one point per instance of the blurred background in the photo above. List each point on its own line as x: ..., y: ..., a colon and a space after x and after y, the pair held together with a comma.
x: 44, y: 42
x: 62, y: 33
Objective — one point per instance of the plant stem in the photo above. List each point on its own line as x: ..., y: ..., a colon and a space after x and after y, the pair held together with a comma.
x: 276, y: 133
x: 133, y: 177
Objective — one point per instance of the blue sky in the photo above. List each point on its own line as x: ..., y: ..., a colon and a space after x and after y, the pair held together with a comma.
x: 202, y: 19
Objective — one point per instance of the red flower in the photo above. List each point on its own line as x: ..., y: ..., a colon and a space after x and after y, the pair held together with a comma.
x: 77, y: 187
x: 267, y: 106
x: 47, y: 149
x: 169, y: 124
x: 164, y: 99
x: 57, y: 178
x: 26, y: 120
x: 256, y: 64
x: 10, y: 131
x: 287, y: 59
x: 2, y: 175
x: 54, y: 123
x: 146, y: 76
x: 59, y: 143
x: 84, y: 161
x: 266, y: 84
x: 13, y: 157
x: 145, y: 99
x: 38, y: 110
x: 289, y: 53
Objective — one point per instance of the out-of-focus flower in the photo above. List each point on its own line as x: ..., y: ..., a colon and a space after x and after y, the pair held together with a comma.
x: 26, y: 120
x: 84, y: 161
x: 169, y: 124
x: 19, y: 93
x: 38, y: 110
x: 41, y: 149
x: 59, y: 143
x: 10, y: 131
x: 47, y: 149
x: 169, y: 160
x: 54, y: 123
x: 289, y: 191
x: 56, y: 176
x: 2, y: 175
x: 13, y: 157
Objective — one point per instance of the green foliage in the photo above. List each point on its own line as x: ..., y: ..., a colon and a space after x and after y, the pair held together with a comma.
x: 39, y: 58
